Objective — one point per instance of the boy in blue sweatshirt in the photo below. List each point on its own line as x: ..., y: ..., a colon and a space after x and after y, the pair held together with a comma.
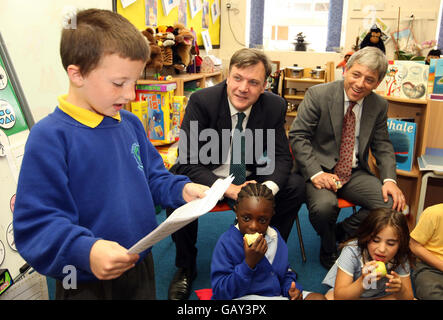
x: 90, y: 179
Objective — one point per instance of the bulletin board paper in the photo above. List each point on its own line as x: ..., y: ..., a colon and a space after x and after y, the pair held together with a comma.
x: 15, y: 122
x: 136, y: 13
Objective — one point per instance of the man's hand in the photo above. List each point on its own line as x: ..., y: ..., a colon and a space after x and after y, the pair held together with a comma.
x: 391, y: 188
x: 192, y: 191
x: 326, y: 181
x: 233, y: 189
x: 109, y: 260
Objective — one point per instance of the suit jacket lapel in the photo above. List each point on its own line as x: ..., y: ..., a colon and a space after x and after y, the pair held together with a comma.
x: 256, y: 119
x: 367, y: 122
x: 336, y: 110
x: 224, y: 114
x: 223, y: 122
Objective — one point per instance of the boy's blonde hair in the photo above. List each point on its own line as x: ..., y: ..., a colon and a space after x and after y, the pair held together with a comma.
x: 98, y: 33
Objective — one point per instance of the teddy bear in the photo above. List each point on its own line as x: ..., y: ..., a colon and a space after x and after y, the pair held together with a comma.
x: 165, y: 40
x: 156, y: 60
x: 184, y: 40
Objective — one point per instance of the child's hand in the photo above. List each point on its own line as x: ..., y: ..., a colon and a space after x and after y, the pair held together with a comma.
x: 109, y: 260
x: 294, y: 293
x: 255, y: 252
x: 394, y: 284
x: 192, y: 191
x: 369, y: 275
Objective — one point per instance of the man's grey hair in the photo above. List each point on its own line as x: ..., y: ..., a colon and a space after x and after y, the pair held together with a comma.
x: 371, y: 57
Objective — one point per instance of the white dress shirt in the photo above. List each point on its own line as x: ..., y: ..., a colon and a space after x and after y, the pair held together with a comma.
x: 223, y: 170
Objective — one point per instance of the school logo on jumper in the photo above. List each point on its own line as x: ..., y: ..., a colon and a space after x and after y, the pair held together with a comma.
x: 135, y: 150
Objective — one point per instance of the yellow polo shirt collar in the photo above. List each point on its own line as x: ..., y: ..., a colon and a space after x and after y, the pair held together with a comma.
x: 85, y: 117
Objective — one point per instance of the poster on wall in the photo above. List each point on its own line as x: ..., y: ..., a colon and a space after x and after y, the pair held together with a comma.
x: 206, y: 41
x: 215, y: 10
x: 194, y: 7
x: 205, y: 15
x: 168, y: 5
x: 151, y: 12
x: 182, y: 7
x: 127, y: 3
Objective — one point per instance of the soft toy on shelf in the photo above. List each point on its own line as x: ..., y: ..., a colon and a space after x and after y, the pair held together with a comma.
x: 156, y: 60
x: 165, y: 40
x: 374, y: 38
x: 182, y: 56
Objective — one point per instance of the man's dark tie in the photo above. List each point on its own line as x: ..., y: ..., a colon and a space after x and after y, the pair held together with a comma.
x: 238, y: 166
x: 343, y: 168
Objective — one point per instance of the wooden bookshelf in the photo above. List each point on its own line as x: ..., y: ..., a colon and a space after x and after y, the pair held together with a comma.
x: 427, y: 114
x: 180, y: 80
x: 300, y: 85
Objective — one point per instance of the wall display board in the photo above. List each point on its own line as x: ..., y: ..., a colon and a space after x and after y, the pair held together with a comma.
x: 15, y: 123
x: 144, y: 13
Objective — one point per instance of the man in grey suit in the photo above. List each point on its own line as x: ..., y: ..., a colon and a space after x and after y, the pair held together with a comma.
x: 316, y: 137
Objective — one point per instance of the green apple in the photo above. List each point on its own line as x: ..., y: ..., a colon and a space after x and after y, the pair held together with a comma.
x: 381, y: 267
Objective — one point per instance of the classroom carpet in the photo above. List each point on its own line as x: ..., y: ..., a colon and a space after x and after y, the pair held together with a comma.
x: 211, y: 226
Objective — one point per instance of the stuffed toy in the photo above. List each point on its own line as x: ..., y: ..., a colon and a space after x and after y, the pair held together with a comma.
x: 196, y: 62
x: 165, y: 40
x: 374, y: 39
x: 156, y: 60
x: 182, y: 56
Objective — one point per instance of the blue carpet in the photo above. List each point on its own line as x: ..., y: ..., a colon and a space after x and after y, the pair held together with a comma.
x: 211, y: 226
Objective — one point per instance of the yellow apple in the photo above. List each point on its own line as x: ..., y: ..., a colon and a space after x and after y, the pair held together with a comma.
x: 381, y: 267
x: 250, y: 238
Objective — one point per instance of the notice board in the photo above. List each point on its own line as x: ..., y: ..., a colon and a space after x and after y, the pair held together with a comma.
x: 199, y: 14
x: 15, y: 122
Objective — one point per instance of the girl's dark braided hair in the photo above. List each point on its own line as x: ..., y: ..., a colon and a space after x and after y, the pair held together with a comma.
x: 256, y: 190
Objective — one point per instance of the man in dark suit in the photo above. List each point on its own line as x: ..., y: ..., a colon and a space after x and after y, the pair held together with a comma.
x: 205, y: 152
x: 317, y: 136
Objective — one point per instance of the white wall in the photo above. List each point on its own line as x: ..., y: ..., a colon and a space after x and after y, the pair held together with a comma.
x: 238, y: 18
x: 359, y: 15
x: 355, y: 15
x: 31, y: 31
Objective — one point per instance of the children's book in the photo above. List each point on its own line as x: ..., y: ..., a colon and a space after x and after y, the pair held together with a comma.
x: 431, y: 160
x: 438, y: 78
x: 431, y: 76
x: 402, y: 134
x: 406, y: 79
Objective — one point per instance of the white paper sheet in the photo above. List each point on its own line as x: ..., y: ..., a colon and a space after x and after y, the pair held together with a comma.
x: 126, y: 3
x: 184, y: 215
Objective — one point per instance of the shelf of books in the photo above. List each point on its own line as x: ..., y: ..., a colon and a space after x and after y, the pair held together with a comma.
x: 414, y: 92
